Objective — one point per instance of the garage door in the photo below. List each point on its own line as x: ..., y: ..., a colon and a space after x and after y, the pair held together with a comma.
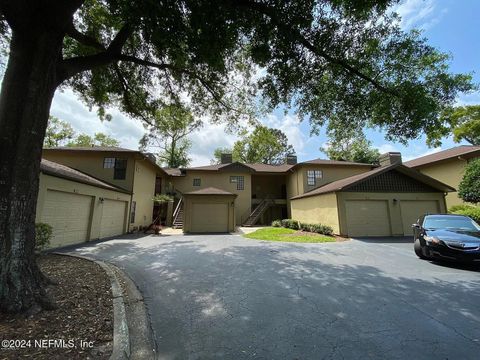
x: 209, y: 217
x: 113, y: 218
x: 368, y: 218
x: 69, y: 214
x: 413, y: 209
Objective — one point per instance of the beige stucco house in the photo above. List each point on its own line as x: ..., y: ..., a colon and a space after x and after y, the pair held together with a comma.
x: 447, y: 166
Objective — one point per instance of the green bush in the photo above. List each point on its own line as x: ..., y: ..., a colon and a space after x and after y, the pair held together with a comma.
x: 297, y: 225
x: 43, y: 235
x: 471, y: 211
x: 461, y: 207
x: 277, y: 223
x: 469, y: 187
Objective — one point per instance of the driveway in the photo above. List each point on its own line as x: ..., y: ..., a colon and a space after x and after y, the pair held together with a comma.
x: 226, y: 297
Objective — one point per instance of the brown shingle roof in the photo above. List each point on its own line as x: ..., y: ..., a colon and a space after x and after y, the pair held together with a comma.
x: 92, y: 148
x: 334, y: 162
x: 344, y: 184
x: 209, y: 191
x: 173, y: 171
x: 52, y: 168
x: 464, y: 150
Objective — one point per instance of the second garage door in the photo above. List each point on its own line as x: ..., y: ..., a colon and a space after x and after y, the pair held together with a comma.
x: 209, y: 217
x: 368, y: 218
x: 412, y: 210
x: 69, y: 215
x: 113, y: 218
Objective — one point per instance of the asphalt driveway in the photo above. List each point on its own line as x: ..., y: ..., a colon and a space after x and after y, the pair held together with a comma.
x: 226, y: 297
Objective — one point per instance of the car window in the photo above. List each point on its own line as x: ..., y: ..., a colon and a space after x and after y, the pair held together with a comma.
x: 450, y: 222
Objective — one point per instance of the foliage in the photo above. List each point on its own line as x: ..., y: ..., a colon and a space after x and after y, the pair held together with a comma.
x: 350, y: 145
x: 99, y: 139
x: 217, y: 155
x: 43, y: 235
x: 168, y: 133
x: 297, y: 225
x: 162, y: 198
x: 469, y: 187
x: 58, y: 132
x: 287, y: 235
x: 264, y: 145
x: 472, y: 212
x: 277, y: 223
x: 463, y: 122
x: 460, y: 207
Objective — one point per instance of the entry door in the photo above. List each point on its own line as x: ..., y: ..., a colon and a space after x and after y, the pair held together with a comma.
x: 368, y: 218
x: 413, y: 209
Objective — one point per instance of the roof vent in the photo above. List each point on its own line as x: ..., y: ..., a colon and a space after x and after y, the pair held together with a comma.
x: 390, y: 158
x: 291, y: 159
x: 226, y: 158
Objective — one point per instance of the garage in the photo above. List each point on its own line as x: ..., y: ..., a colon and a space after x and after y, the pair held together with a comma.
x: 69, y: 215
x: 113, y: 218
x: 209, y: 210
x: 413, y: 209
x: 368, y: 218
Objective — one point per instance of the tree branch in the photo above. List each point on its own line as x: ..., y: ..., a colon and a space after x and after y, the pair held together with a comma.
x: 84, y: 39
x: 270, y: 12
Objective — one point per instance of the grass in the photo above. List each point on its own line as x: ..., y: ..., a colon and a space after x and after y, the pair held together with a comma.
x: 282, y: 234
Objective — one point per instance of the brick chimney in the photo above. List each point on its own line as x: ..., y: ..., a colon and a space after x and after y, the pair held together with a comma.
x: 390, y: 158
x: 226, y: 158
x: 291, y: 159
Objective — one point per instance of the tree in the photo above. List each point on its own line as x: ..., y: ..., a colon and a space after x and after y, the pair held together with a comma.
x: 217, y: 154
x: 98, y: 139
x: 469, y: 187
x: 263, y: 145
x: 464, y: 122
x: 58, y: 132
x: 350, y: 145
x: 168, y: 133
x: 332, y: 59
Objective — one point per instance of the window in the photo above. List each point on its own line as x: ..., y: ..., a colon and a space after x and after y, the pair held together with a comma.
x: 196, y: 182
x: 312, y: 176
x: 237, y: 180
x: 132, y: 212
x: 108, y: 163
x: 120, y: 170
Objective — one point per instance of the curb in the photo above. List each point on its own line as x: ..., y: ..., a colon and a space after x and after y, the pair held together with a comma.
x: 126, y: 300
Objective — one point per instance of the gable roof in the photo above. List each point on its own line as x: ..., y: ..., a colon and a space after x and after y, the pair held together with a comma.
x: 344, y: 184
x: 464, y: 150
x: 209, y: 191
x: 334, y: 162
x: 58, y: 170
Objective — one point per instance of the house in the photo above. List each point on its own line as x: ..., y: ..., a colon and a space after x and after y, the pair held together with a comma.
x: 447, y: 166
x: 129, y: 170
x: 79, y: 207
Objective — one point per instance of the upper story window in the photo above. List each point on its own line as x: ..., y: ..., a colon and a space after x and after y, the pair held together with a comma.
x: 313, y: 176
x: 239, y: 180
x: 196, y: 182
x: 108, y: 163
x: 120, y: 170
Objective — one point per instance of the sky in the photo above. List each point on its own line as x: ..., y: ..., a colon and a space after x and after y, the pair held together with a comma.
x: 449, y: 25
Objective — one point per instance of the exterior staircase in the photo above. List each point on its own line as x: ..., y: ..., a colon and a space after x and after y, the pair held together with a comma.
x: 178, y: 215
x: 258, y: 212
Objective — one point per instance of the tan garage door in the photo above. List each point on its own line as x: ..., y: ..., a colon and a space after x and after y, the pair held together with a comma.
x: 69, y: 214
x: 413, y: 209
x: 368, y: 218
x: 209, y: 217
x: 113, y: 218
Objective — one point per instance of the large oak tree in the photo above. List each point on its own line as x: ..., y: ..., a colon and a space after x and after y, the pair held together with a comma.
x: 344, y: 60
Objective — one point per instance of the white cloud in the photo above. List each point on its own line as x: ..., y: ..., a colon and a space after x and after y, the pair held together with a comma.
x: 468, y: 99
x: 420, y: 14
x: 290, y: 126
x: 385, y: 148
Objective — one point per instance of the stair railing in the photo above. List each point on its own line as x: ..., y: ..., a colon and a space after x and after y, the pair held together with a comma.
x: 177, y: 210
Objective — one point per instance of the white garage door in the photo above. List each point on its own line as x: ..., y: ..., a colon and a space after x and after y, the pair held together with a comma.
x: 413, y: 209
x: 368, y: 218
x: 209, y: 217
x: 69, y: 215
x: 113, y: 218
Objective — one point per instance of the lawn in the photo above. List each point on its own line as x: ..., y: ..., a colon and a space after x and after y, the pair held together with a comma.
x: 288, y: 235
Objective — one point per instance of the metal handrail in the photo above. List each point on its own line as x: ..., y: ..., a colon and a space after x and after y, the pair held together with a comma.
x: 177, y: 209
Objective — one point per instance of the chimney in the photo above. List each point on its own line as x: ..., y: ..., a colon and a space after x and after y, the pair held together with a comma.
x: 226, y: 158
x: 291, y: 159
x: 390, y: 158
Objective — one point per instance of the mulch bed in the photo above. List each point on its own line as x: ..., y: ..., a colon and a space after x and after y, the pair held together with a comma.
x: 85, y: 313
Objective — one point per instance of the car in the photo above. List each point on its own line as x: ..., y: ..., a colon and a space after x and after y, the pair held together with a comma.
x: 447, y: 237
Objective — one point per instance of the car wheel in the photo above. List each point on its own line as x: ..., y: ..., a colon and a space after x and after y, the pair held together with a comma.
x: 418, y: 248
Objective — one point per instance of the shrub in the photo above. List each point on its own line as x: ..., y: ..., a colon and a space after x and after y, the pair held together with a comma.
x: 297, y: 225
x: 461, y: 207
x: 470, y: 211
x: 277, y: 223
x: 43, y: 235
x: 469, y: 187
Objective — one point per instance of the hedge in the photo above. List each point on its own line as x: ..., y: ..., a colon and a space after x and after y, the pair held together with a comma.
x: 297, y: 225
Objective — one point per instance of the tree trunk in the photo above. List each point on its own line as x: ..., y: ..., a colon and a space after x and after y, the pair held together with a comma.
x: 28, y: 87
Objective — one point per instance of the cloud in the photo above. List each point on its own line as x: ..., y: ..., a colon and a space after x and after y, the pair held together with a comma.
x: 420, y: 14
x: 385, y: 148
x: 290, y: 126
x: 468, y: 99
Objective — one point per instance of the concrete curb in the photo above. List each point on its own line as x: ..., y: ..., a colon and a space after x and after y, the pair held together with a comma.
x: 129, y: 313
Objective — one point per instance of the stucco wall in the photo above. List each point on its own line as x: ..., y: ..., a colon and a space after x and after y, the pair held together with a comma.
x: 48, y: 182
x: 143, y: 193
x: 321, y: 209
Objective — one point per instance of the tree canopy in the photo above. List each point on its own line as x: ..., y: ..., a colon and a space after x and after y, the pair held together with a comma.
x: 98, y: 139
x: 167, y: 135
x: 464, y: 122
x: 469, y: 187
x: 58, y: 133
